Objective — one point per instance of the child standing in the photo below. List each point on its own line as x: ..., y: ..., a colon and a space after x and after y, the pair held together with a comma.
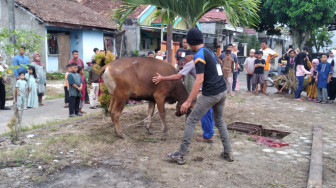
x: 75, y: 88
x: 32, y: 81
x: 324, y: 72
x: 21, y: 91
x: 94, y: 86
x: 300, y: 74
x: 228, y: 66
x: 66, y: 87
x: 82, y: 99
x: 249, y: 67
x: 258, y: 75
x: 312, y: 90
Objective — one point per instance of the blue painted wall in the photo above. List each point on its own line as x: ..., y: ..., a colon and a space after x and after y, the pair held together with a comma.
x: 76, y: 42
x: 81, y: 40
x: 52, y: 65
x: 91, y: 39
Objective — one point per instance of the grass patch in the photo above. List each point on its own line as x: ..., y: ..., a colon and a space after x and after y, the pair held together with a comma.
x: 55, y: 76
x: 39, y: 126
x: 56, y: 96
x: 237, y: 99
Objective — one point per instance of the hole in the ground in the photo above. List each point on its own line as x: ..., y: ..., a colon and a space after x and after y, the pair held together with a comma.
x: 273, y: 133
x: 268, y: 137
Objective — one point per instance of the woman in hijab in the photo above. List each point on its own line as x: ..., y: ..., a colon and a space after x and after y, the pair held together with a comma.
x: 41, y: 73
x: 332, y: 56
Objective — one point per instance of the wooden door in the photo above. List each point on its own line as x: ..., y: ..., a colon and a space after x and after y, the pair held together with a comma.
x: 64, y: 51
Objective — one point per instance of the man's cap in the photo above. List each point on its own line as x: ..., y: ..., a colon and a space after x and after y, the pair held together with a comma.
x: 194, y: 37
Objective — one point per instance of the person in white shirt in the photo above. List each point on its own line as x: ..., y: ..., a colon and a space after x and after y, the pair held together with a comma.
x: 268, y: 55
x: 249, y: 67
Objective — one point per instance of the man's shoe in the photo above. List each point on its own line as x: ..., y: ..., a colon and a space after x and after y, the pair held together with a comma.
x: 176, y: 157
x: 227, y: 156
x: 201, y: 139
x: 93, y: 107
x: 79, y: 114
x: 5, y: 108
x: 72, y: 115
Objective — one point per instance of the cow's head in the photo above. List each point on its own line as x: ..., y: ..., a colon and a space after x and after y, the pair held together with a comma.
x: 178, y: 108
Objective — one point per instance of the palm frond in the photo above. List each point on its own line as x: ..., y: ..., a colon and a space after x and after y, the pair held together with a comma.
x: 239, y: 12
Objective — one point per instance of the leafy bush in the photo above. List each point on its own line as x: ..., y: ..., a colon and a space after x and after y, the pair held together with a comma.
x: 103, y: 59
x: 55, y: 76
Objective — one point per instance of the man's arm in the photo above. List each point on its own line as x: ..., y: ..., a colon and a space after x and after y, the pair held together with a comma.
x: 197, y: 86
x: 157, y: 79
x: 273, y: 54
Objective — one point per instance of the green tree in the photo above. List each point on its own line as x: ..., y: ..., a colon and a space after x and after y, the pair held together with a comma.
x: 320, y: 38
x: 251, y: 40
x: 27, y: 38
x: 302, y: 17
x: 239, y: 12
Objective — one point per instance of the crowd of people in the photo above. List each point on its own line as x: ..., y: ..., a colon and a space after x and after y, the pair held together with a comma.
x: 75, y: 85
x: 31, y: 81
x: 294, y: 67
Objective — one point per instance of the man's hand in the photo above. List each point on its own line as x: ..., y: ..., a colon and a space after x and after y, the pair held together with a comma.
x: 91, y: 87
x: 185, y: 106
x: 157, y: 79
x: 18, y: 94
x: 80, y: 89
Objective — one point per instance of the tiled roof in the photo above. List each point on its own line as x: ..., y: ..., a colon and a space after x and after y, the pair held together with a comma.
x: 214, y: 15
x: 105, y: 7
x: 66, y: 12
x: 249, y: 31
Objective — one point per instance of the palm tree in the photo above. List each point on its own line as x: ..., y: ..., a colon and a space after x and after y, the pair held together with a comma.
x: 239, y: 12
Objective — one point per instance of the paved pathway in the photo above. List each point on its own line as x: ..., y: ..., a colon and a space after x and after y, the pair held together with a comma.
x: 53, y: 111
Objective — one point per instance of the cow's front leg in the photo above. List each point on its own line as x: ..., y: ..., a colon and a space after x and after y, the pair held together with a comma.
x: 151, y: 108
x: 162, y: 111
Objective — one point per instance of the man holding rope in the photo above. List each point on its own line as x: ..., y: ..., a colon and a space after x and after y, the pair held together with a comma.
x: 209, y: 76
x: 189, y: 72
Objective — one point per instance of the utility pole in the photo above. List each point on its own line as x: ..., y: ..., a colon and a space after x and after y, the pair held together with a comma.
x: 11, y: 19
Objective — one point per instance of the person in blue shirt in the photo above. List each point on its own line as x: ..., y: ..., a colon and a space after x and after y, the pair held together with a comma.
x: 20, y: 60
x: 323, y: 77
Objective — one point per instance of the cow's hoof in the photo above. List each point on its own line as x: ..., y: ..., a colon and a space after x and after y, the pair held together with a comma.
x: 165, y: 130
x: 121, y: 135
x: 151, y: 132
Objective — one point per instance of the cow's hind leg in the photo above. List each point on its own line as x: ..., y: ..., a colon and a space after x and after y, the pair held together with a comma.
x: 111, y: 102
x: 151, y: 108
x: 162, y: 111
x: 117, y: 108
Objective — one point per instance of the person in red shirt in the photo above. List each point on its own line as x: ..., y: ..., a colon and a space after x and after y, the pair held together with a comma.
x: 76, y: 59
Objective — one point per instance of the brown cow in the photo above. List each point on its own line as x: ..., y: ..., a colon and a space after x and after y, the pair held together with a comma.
x: 131, y: 78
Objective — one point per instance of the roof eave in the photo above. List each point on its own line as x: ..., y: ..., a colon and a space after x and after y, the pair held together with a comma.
x: 74, y: 26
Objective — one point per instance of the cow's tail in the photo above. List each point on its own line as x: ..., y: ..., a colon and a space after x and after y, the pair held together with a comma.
x: 102, y: 70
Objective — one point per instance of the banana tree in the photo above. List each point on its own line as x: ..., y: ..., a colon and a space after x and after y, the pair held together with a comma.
x: 239, y: 12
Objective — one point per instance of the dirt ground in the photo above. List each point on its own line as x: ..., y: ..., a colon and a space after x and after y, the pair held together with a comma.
x: 86, y: 152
